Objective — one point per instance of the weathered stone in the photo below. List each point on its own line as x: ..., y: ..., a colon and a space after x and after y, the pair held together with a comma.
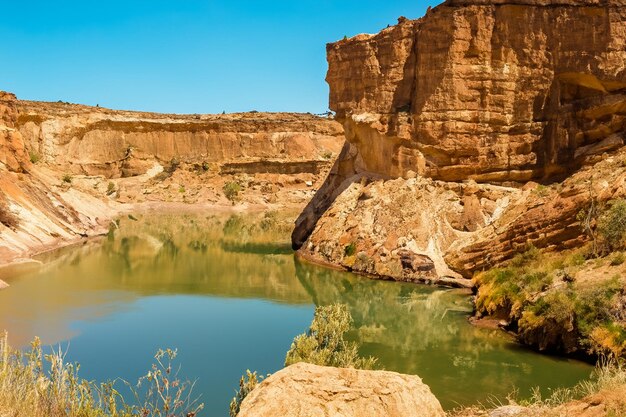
x: 305, y: 390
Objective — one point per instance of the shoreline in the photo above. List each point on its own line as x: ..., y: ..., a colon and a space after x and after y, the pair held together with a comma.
x: 442, y: 282
x: 27, y: 257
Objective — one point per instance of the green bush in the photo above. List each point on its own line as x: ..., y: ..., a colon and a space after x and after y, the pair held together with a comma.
x: 350, y: 249
x: 324, y: 343
x: 617, y: 259
x: 34, y: 156
x: 554, y: 308
x: 231, y: 190
x: 594, y: 305
x: 67, y: 178
x: 612, y: 225
x: 110, y: 188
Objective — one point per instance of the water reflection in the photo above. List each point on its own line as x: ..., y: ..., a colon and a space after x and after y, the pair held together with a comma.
x: 228, y: 293
x: 424, y: 331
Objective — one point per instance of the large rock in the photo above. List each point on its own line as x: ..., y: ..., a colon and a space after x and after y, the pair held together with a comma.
x: 305, y: 390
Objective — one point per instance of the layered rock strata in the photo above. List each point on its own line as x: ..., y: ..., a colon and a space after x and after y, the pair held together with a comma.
x: 97, y: 141
x: 499, y: 93
x: 66, y: 169
x: 34, y: 213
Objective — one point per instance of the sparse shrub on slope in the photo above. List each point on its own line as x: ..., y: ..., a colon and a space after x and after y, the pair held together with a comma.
x: 231, y: 190
x: 612, y: 226
x: 325, y: 343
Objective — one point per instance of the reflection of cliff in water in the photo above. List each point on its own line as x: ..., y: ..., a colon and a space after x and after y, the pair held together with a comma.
x: 152, y: 255
x: 424, y: 331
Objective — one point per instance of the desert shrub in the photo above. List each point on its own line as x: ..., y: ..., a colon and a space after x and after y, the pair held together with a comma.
x: 234, y: 226
x: 601, y: 331
x: 34, y: 156
x: 612, y: 225
x: 327, y: 155
x: 325, y: 344
x: 181, y: 189
x: 617, y: 259
x: 160, y: 393
x: 349, y: 250
x: 7, y: 217
x: 594, y: 304
x: 110, y: 188
x: 610, y: 339
x: 231, y: 190
x: 67, y: 178
x: 247, y: 383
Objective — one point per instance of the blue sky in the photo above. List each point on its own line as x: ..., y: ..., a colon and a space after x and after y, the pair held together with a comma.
x: 185, y: 56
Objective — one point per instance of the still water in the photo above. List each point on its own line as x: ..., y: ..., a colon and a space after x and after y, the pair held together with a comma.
x: 226, y: 291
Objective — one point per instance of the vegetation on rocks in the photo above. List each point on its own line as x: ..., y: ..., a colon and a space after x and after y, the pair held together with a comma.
x: 564, y: 302
x: 231, y: 190
x: 45, y: 385
x: 247, y: 383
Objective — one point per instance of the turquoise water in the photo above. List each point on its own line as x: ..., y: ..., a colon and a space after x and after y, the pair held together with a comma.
x: 227, y: 292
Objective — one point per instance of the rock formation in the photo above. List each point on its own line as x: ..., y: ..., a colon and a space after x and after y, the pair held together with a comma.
x: 304, y: 390
x: 475, y: 99
x: 66, y: 169
x: 96, y: 141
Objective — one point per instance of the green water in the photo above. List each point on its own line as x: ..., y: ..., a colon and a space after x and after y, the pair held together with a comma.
x: 228, y: 293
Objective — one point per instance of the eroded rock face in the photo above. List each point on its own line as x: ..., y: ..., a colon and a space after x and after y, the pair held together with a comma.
x: 13, y: 156
x: 66, y: 169
x: 96, y: 141
x: 490, y: 91
x: 493, y: 92
x: 305, y: 390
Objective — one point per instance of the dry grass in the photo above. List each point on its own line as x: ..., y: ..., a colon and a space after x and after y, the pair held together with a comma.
x: 34, y: 384
x: 605, y: 391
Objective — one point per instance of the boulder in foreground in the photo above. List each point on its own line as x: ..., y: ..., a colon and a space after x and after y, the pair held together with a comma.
x: 304, y: 390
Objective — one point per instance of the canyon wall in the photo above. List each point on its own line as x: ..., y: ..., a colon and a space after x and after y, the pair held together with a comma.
x: 67, y: 169
x: 97, y: 141
x: 498, y: 93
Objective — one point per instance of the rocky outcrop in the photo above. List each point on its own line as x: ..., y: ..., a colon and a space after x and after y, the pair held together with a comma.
x: 499, y: 93
x: 13, y: 156
x: 310, y: 390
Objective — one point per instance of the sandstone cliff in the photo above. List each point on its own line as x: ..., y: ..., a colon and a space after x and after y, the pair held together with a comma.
x: 66, y: 169
x: 497, y: 93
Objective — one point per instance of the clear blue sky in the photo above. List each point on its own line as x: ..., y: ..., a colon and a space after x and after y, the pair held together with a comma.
x: 183, y: 56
